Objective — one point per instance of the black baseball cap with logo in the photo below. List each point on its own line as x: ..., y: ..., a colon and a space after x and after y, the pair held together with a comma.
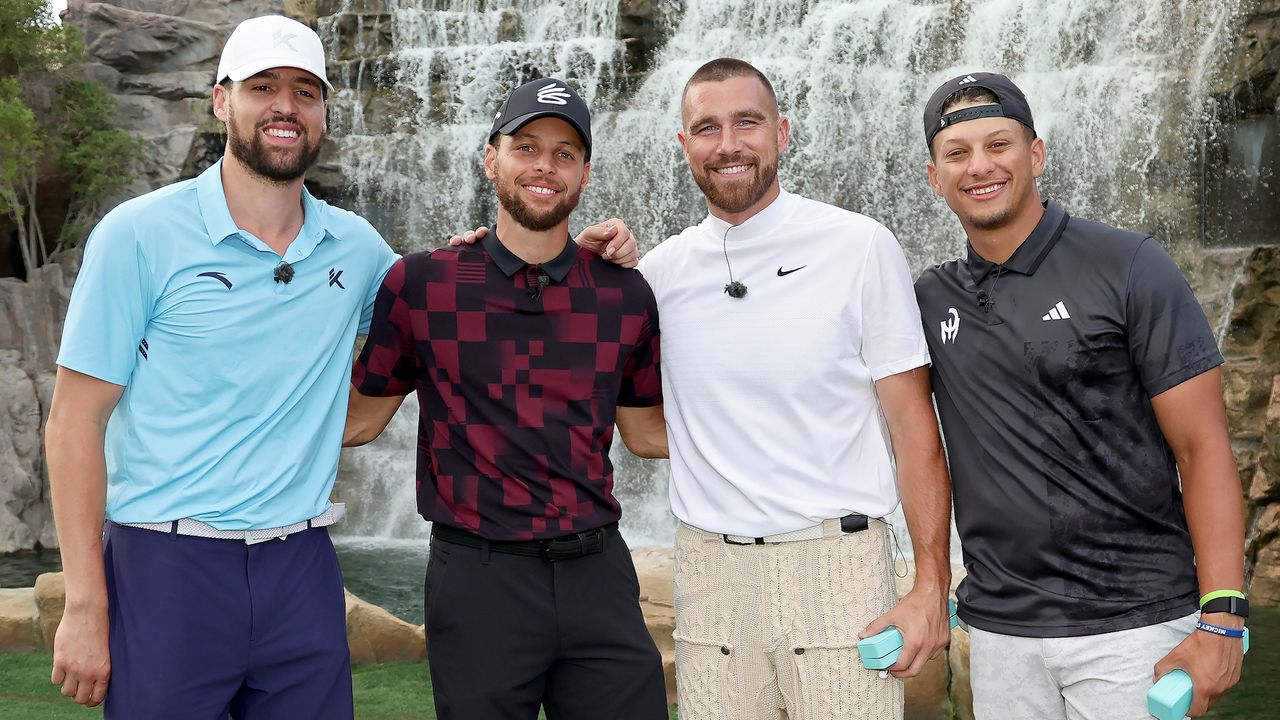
x: 1011, y: 103
x: 548, y: 97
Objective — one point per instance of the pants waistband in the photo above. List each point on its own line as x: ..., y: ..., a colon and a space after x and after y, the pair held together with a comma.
x: 568, y: 547
x: 195, y: 528
x: 851, y: 523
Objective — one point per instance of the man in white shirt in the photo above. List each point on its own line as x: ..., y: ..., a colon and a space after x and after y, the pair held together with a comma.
x: 796, y: 378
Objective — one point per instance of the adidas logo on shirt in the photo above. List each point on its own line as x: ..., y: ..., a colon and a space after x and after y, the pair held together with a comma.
x: 1057, y: 312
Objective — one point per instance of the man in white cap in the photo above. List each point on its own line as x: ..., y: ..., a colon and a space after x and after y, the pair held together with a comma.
x: 197, y: 417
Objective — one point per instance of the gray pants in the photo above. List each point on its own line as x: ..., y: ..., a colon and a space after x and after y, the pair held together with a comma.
x: 1092, y: 677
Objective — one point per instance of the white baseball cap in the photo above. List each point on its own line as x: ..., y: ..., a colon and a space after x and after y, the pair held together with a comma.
x: 271, y: 41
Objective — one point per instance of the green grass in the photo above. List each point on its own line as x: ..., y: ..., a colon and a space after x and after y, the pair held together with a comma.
x: 402, y: 691
x: 394, y: 691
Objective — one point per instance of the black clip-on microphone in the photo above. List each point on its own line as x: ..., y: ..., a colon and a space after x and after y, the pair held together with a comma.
x: 539, y: 284
x: 284, y: 273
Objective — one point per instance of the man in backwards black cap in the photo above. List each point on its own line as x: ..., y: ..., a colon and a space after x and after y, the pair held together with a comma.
x: 1077, y: 380
x: 519, y: 348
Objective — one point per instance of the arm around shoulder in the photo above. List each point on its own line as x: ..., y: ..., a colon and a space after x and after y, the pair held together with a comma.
x: 643, y: 430
x: 367, y: 416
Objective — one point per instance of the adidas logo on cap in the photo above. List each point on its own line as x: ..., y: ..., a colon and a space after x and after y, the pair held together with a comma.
x: 968, y: 79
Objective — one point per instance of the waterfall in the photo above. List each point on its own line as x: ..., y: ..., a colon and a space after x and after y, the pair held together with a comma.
x: 1117, y: 88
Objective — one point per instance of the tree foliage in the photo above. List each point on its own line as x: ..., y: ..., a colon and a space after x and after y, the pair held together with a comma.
x: 55, y: 128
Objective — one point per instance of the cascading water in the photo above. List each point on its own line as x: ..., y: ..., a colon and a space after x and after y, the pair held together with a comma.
x: 1117, y: 88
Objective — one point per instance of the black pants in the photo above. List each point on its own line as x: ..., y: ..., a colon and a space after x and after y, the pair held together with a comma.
x: 507, y: 633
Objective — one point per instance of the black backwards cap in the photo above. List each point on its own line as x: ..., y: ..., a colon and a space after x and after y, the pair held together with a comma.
x: 543, y: 98
x: 1011, y: 103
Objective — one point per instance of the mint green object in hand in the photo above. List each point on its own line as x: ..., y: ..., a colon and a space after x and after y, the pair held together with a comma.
x: 1170, y: 697
x: 881, y: 650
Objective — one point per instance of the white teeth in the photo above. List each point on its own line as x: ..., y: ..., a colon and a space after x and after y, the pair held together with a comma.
x: 275, y: 132
x: 733, y: 170
x: 986, y: 190
x: 539, y: 190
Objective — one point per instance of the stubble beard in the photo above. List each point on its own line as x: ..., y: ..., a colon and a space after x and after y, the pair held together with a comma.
x: 272, y: 164
x: 737, y: 197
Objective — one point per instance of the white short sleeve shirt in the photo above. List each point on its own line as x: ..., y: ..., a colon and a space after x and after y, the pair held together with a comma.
x: 770, y: 399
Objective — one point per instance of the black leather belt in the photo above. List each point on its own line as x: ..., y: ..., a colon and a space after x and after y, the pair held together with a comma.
x: 568, y: 547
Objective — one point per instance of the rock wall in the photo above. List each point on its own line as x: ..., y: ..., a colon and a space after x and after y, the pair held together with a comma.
x: 1252, y: 380
x: 31, y: 315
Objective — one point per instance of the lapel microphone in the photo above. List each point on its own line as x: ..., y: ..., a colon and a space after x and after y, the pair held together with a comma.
x: 537, y: 283
x: 284, y: 273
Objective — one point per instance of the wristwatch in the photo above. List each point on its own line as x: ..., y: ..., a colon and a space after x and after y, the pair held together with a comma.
x: 1232, y: 605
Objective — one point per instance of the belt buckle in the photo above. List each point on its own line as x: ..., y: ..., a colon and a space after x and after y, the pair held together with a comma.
x: 253, y: 537
x: 573, y: 546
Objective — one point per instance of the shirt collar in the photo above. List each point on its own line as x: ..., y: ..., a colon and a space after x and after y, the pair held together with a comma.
x: 1027, y: 258
x: 220, y: 225
x: 763, y: 222
x: 510, y: 263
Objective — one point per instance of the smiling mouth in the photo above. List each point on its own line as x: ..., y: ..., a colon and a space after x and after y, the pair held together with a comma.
x: 731, y: 170
x: 985, y: 189
x: 539, y: 190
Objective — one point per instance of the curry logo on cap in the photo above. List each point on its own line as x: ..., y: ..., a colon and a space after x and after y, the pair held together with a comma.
x: 553, y: 94
x: 545, y: 97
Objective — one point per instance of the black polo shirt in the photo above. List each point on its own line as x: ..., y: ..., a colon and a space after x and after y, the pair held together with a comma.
x: 1066, y: 494
x: 519, y: 370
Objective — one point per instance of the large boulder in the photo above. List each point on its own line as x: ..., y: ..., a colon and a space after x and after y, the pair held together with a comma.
x: 18, y: 620
x: 376, y: 636
x: 654, y: 567
x: 51, y: 599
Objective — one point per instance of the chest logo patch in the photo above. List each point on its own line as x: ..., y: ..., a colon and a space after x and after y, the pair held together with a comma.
x: 335, y: 278
x: 1057, y: 312
x: 784, y: 273
x: 950, y: 327
x: 216, y: 275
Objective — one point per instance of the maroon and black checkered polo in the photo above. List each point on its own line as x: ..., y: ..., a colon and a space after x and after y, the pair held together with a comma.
x: 518, y: 370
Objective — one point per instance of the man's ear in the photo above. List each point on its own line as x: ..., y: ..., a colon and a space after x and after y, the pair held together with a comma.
x: 221, y: 96
x: 491, y: 160
x: 932, y: 171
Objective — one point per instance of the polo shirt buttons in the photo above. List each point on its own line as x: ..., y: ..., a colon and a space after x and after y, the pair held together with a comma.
x: 724, y: 650
x: 799, y: 651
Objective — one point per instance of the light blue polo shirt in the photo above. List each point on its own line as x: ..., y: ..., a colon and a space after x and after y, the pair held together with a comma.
x: 235, y: 385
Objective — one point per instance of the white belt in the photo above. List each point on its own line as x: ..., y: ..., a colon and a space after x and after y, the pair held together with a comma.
x: 835, y: 526
x: 195, y: 528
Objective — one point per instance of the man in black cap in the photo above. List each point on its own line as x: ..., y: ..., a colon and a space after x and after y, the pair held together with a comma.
x: 520, y: 347
x: 1076, y: 379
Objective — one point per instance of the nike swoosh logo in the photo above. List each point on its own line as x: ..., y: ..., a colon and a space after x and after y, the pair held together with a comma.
x: 782, y: 272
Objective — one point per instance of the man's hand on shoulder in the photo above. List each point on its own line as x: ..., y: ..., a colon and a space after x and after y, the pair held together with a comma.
x: 611, y: 240
x: 469, y: 237
x: 921, y: 616
x: 1212, y: 661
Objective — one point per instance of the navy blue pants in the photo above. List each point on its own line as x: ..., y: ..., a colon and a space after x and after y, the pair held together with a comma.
x: 507, y: 633
x: 202, y: 629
